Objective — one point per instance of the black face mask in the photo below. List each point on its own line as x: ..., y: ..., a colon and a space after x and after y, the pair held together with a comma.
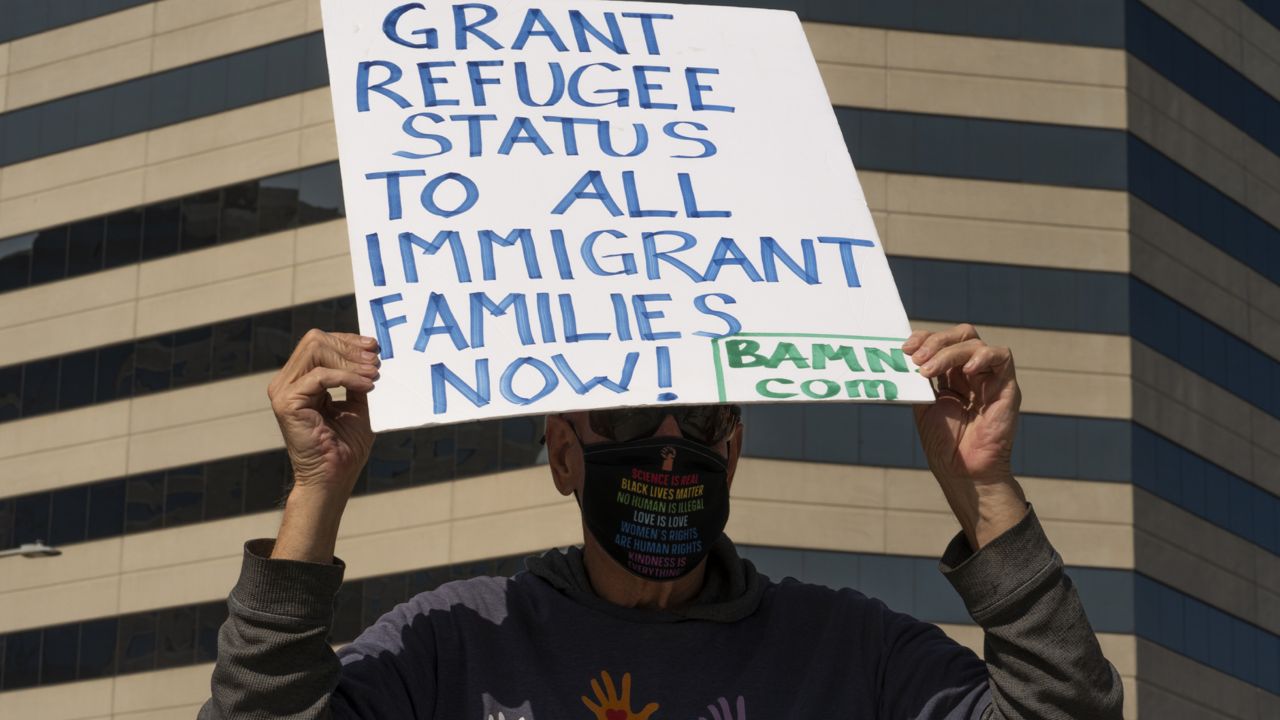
x: 655, y: 505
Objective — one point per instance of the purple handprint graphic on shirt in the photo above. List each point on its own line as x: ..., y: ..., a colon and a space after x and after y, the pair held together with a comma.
x: 723, y: 712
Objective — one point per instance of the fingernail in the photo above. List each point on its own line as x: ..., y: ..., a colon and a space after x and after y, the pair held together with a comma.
x: 368, y: 368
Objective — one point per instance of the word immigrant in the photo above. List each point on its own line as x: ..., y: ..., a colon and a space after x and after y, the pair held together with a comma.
x: 525, y: 181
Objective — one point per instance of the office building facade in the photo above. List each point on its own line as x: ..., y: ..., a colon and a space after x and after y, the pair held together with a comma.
x: 1095, y: 184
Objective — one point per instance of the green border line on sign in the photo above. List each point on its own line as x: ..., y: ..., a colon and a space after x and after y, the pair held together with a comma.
x: 715, y: 349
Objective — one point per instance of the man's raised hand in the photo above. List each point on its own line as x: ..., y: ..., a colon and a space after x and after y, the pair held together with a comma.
x: 328, y: 441
x: 968, y: 433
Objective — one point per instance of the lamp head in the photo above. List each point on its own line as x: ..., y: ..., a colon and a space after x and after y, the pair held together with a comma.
x: 38, y: 549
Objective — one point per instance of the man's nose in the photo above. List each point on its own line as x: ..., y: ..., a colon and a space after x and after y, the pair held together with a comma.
x: 668, y: 428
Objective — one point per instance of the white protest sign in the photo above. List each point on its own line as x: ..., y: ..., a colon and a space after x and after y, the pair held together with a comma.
x: 574, y: 205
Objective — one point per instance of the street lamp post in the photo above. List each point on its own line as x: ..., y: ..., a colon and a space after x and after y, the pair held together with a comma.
x: 36, y: 549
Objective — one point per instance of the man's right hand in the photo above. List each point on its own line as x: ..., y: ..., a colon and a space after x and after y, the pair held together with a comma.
x: 328, y: 441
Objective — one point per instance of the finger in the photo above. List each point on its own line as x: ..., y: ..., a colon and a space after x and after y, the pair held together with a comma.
x: 933, y: 344
x: 989, y: 359
x: 949, y: 356
x: 715, y: 714
x: 595, y: 688
x: 318, y: 381
x: 648, y: 710
x: 724, y: 705
x: 958, y: 383
x: 363, y: 341
x: 592, y: 706
x: 626, y: 688
x: 913, y: 343
x: 742, y: 708
x: 320, y: 349
x: 368, y: 347
x: 608, y: 684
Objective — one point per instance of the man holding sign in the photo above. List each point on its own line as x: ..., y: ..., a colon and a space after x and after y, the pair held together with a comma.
x: 682, y: 623
x: 629, y: 217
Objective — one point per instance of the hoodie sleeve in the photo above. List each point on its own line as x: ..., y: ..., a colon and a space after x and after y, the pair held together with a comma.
x: 1042, y: 659
x: 275, y: 660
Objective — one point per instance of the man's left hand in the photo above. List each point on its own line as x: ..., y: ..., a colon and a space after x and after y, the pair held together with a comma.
x: 968, y: 433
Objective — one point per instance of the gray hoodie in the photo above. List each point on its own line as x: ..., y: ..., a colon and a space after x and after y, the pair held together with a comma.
x: 542, y: 646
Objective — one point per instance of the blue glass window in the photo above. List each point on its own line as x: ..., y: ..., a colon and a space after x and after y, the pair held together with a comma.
x: 97, y: 649
x: 136, y: 643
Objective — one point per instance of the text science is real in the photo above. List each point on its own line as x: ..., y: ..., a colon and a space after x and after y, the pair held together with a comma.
x: 560, y: 206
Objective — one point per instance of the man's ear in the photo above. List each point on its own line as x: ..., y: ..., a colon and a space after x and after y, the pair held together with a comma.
x: 735, y: 451
x: 564, y: 455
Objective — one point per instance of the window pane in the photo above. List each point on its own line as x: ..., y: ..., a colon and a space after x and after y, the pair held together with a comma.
x: 124, y: 238
x: 312, y: 315
x: 70, y: 515
x: 21, y: 134
x: 317, y: 69
x: 319, y: 194
x: 86, y: 246
x: 161, y: 230
x: 390, y: 462
x: 380, y: 596
x: 78, y: 375
x: 250, y: 72
x: 97, y: 648
x: 265, y: 481
x: 346, y: 613
x: 434, y: 449
x: 130, y: 107
x: 278, y: 202
x: 7, y: 509
x: 420, y: 581
x: 477, y: 448
x: 344, y: 315
x: 168, y: 97
x: 206, y: 88
x: 93, y: 117
x: 10, y: 393
x: 21, y: 660
x: 115, y: 372
x: 231, y: 343
x: 183, y: 495
x: 200, y: 220
x: 144, y: 502
x: 49, y: 258
x: 272, y: 340
x: 58, y: 656
x: 136, y: 645
x: 40, y: 387
x: 176, y: 631
x: 31, y: 522
x: 239, y: 212
x: 106, y: 509
x: 57, y: 127
x: 520, y: 441
x: 224, y: 489
x: 15, y: 261
x: 210, y: 617
x: 192, y: 355
x: 286, y: 67
x: 153, y: 363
